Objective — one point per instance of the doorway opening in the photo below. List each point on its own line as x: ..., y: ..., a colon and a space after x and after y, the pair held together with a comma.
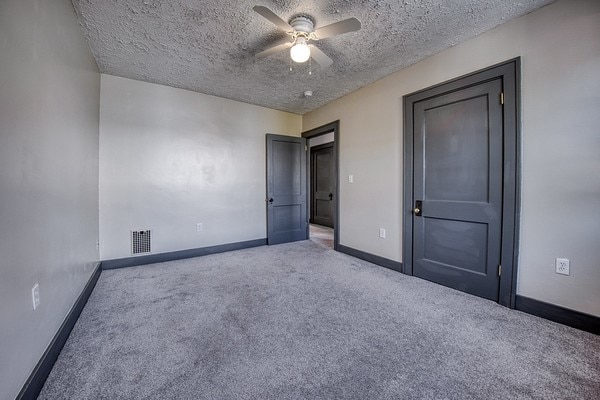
x: 323, y: 193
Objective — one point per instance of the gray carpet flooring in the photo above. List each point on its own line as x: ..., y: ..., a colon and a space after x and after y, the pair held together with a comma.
x: 300, y: 321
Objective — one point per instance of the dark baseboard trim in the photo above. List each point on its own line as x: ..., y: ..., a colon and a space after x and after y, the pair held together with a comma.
x: 565, y: 316
x: 34, y: 384
x: 372, y: 258
x: 180, y: 255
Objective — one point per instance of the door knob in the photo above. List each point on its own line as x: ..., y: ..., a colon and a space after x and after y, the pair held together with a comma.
x: 271, y: 200
x: 330, y: 196
x: 418, y: 208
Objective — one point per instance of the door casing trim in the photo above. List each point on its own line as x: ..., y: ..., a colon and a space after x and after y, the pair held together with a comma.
x: 322, y: 130
x: 509, y: 72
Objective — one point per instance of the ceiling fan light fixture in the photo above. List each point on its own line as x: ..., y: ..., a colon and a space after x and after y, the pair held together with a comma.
x: 302, y: 30
x: 300, y: 52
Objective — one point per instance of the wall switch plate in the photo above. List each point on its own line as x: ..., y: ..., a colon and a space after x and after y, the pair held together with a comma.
x: 199, y: 227
x: 350, y: 178
x: 35, y: 296
x: 563, y: 266
x: 382, y: 233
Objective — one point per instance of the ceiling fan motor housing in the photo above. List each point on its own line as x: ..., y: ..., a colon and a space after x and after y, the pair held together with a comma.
x: 302, y: 24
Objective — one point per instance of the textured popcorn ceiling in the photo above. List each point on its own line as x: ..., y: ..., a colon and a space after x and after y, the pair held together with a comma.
x: 208, y: 45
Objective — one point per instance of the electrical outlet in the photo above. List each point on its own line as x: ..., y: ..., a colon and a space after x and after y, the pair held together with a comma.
x: 563, y: 266
x: 350, y: 178
x: 382, y: 233
x: 199, y: 227
x: 35, y: 296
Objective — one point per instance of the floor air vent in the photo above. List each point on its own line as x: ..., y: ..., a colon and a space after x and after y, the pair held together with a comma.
x: 140, y: 242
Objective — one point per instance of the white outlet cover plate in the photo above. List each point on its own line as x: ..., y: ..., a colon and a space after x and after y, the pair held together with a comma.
x: 563, y: 266
x: 382, y: 233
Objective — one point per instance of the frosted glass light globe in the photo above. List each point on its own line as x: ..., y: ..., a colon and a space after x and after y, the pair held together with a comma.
x: 300, y: 52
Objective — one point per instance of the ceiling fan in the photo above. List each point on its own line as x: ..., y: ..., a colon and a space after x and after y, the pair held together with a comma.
x: 301, y: 30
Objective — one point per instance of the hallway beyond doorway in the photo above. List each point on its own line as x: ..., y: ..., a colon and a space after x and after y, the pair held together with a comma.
x: 322, y: 235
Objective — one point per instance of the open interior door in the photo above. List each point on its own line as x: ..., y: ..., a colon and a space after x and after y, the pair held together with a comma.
x: 286, y: 189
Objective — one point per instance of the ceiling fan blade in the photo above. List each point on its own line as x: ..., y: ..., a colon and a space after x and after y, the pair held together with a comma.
x: 337, y: 28
x: 274, y: 18
x: 321, y: 58
x: 275, y: 49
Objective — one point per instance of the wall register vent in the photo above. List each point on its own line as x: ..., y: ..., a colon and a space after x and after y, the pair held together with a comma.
x: 140, y: 242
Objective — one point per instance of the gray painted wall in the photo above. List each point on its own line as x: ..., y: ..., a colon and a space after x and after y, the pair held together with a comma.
x: 172, y: 158
x: 49, y: 99
x: 560, y: 49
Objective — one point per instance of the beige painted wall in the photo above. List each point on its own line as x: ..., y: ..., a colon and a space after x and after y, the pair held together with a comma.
x: 171, y: 158
x: 560, y: 50
x: 49, y: 100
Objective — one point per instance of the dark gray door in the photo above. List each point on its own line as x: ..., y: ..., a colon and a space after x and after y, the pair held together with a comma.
x: 322, y: 178
x: 286, y: 189
x: 458, y: 144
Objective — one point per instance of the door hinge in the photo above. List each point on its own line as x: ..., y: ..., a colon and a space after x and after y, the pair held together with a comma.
x: 305, y: 148
x: 499, y: 270
x: 502, y: 98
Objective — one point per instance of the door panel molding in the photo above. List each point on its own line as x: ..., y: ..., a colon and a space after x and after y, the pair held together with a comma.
x: 508, y: 72
x: 322, y: 130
